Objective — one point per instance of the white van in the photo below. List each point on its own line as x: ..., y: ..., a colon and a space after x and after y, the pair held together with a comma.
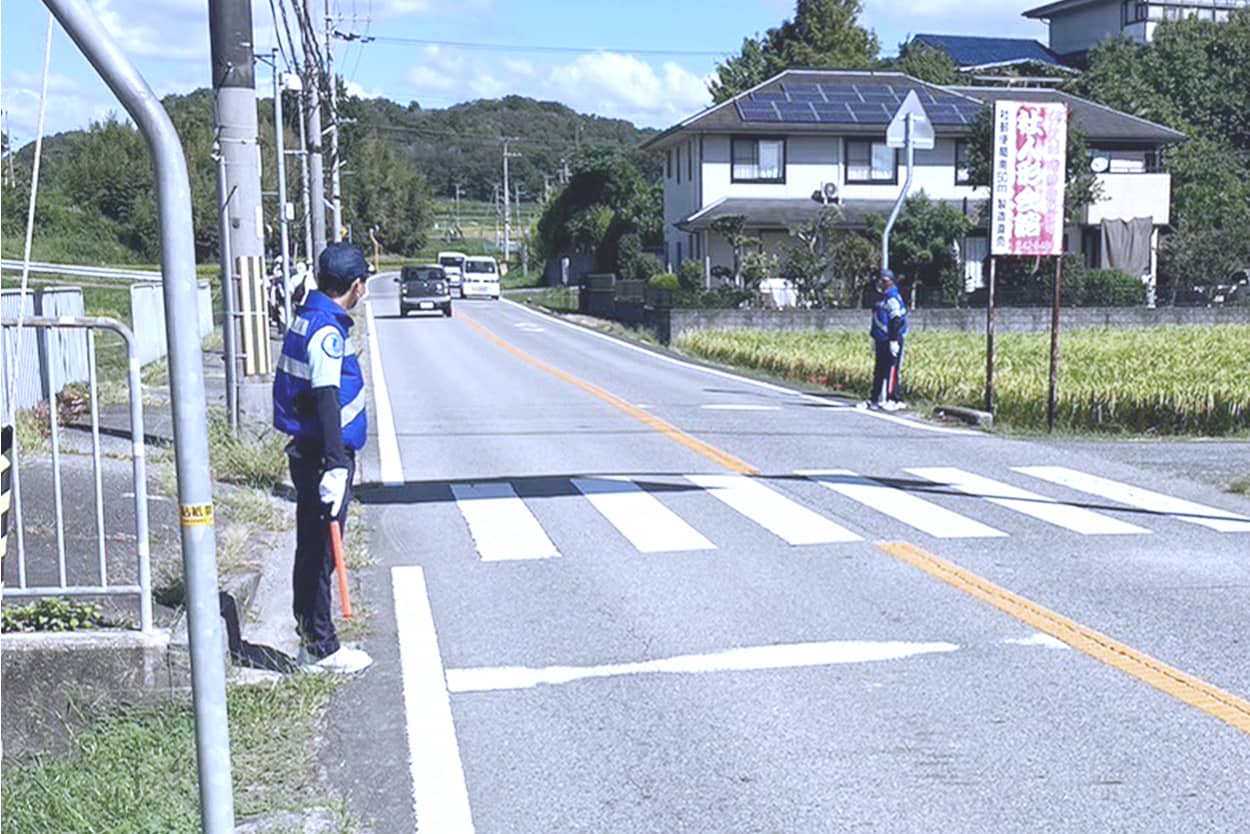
x: 481, y: 278
x: 453, y: 267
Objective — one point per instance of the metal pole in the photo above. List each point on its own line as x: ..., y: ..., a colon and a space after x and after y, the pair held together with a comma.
x: 1054, y: 347
x: 279, y: 129
x: 989, y: 340
x: 507, y: 208
x: 229, y: 338
x: 898, y: 204
x: 186, y: 382
x: 304, y: 188
x: 336, y: 196
x: 316, y: 174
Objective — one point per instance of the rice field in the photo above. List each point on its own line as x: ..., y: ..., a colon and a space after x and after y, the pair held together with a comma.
x: 1183, y: 380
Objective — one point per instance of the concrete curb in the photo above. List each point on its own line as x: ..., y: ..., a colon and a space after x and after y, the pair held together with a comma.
x: 971, y: 416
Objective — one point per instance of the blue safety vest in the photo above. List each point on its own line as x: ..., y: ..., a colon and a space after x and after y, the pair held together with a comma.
x: 889, y: 306
x: 293, y: 410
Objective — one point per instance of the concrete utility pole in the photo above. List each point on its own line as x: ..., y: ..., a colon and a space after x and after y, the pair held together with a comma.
x: 234, y: 83
x: 312, y: 117
x: 186, y: 387
x: 305, y: 186
x: 279, y: 129
x: 336, y: 195
x: 507, y: 203
x: 495, y: 200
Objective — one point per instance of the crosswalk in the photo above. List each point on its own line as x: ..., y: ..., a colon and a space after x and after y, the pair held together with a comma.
x: 503, y: 525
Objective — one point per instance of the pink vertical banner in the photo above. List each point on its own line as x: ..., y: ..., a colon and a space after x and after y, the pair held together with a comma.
x: 1030, y: 162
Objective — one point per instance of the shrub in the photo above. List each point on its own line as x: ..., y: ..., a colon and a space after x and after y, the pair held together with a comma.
x: 52, y: 615
x: 690, y: 274
x: 1112, y: 288
x: 664, y: 281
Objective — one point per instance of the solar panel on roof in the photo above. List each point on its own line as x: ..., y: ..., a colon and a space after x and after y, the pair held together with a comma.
x: 870, y: 113
x: 805, y: 92
x: 771, y: 95
x: 796, y: 112
x: 832, y: 113
x: 758, y: 111
x: 844, y: 97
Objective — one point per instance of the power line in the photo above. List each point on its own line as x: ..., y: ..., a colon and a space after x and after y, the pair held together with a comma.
x: 363, y: 38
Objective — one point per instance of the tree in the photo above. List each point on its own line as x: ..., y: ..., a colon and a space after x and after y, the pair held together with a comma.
x: 389, y: 194
x: 732, y: 227
x: 822, y: 33
x: 810, y: 255
x: 921, y: 245
x: 606, y: 199
x: 919, y: 60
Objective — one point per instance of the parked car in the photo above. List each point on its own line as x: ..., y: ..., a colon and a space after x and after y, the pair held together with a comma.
x: 481, y: 278
x: 453, y: 264
x: 424, y: 288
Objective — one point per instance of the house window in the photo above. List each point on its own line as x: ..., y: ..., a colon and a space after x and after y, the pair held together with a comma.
x: 690, y: 162
x: 759, y: 160
x: 1134, y: 11
x: 871, y: 162
x: 679, y: 165
x: 668, y: 165
x: 963, y: 168
x: 679, y: 253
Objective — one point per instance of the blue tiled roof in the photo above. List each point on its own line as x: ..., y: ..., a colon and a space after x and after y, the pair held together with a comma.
x: 968, y: 51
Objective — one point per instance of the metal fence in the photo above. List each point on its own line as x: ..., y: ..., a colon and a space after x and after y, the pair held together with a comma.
x: 147, y: 317
x: 68, y: 347
x: 44, y: 568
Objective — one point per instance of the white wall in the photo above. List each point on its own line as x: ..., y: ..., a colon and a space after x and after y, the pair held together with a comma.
x: 1082, y: 28
x: 681, y: 199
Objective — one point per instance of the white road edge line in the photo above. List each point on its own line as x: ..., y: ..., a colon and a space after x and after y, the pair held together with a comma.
x: 392, y: 467
x: 747, y: 659
x: 440, y: 799
x: 768, y: 386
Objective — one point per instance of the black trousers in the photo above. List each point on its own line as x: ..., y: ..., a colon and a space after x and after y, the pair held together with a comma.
x: 314, y: 558
x: 887, y: 373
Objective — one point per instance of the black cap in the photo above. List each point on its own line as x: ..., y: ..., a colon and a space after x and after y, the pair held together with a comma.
x: 340, y: 265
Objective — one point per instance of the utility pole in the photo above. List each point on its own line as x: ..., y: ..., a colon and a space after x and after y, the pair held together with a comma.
x: 234, y: 84
x: 312, y: 118
x: 336, y: 195
x: 279, y: 129
x: 305, y: 187
x: 507, y: 203
x: 495, y: 200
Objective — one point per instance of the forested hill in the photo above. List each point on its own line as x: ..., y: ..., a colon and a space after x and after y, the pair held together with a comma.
x: 462, y: 144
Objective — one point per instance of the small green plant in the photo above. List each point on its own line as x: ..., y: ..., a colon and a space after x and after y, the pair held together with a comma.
x: 248, y: 461
x: 52, y: 615
x: 664, y: 281
x: 1241, y: 485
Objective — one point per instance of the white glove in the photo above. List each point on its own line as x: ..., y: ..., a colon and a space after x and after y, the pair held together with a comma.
x: 332, y: 489
x: 895, y: 347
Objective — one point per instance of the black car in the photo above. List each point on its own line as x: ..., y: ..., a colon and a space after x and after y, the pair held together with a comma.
x: 423, y: 288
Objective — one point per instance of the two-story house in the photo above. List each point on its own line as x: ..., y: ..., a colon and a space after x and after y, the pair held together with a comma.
x: 1076, y: 26
x: 777, y: 153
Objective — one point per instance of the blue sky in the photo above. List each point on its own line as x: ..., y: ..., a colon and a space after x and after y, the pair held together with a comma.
x: 610, y: 67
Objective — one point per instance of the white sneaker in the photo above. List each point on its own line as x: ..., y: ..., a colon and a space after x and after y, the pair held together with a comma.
x: 343, y: 662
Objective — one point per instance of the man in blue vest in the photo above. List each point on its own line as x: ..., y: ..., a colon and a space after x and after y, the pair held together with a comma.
x: 889, y: 327
x: 319, y: 399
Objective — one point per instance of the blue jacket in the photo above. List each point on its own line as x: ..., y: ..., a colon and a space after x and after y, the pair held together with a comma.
x: 889, y: 317
x: 317, y: 353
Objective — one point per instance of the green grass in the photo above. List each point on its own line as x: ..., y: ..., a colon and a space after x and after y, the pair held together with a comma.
x: 1241, y: 486
x: 553, y: 298
x: 1163, y: 381
x: 133, y: 770
x: 254, y: 460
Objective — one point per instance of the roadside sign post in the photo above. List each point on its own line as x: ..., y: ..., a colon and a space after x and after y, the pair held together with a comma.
x: 911, y: 129
x: 1030, y: 165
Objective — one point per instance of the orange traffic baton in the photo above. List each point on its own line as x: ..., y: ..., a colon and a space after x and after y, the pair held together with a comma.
x: 336, y: 544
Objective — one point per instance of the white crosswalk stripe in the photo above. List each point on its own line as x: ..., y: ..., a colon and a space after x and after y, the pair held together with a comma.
x: 639, y: 516
x: 901, y: 506
x: 1076, y: 519
x: 773, y: 511
x: 1178, y: 508
x: 501, y: 525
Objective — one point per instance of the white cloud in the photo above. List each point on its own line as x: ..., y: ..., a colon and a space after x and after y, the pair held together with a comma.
x: 608, y: 84
x: 949, y: 17
x: 404, y: 8
x: 179, y: 32
x: 360, y: 91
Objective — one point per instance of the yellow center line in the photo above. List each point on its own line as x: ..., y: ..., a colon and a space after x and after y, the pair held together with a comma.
x: 1167, y: 679
x: 713, y: 454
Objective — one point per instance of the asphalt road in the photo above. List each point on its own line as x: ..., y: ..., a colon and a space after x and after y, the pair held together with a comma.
x: 612, y: 596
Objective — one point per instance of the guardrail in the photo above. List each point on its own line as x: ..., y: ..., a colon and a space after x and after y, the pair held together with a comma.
x: 81, y: 271
x: 81, y: 584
